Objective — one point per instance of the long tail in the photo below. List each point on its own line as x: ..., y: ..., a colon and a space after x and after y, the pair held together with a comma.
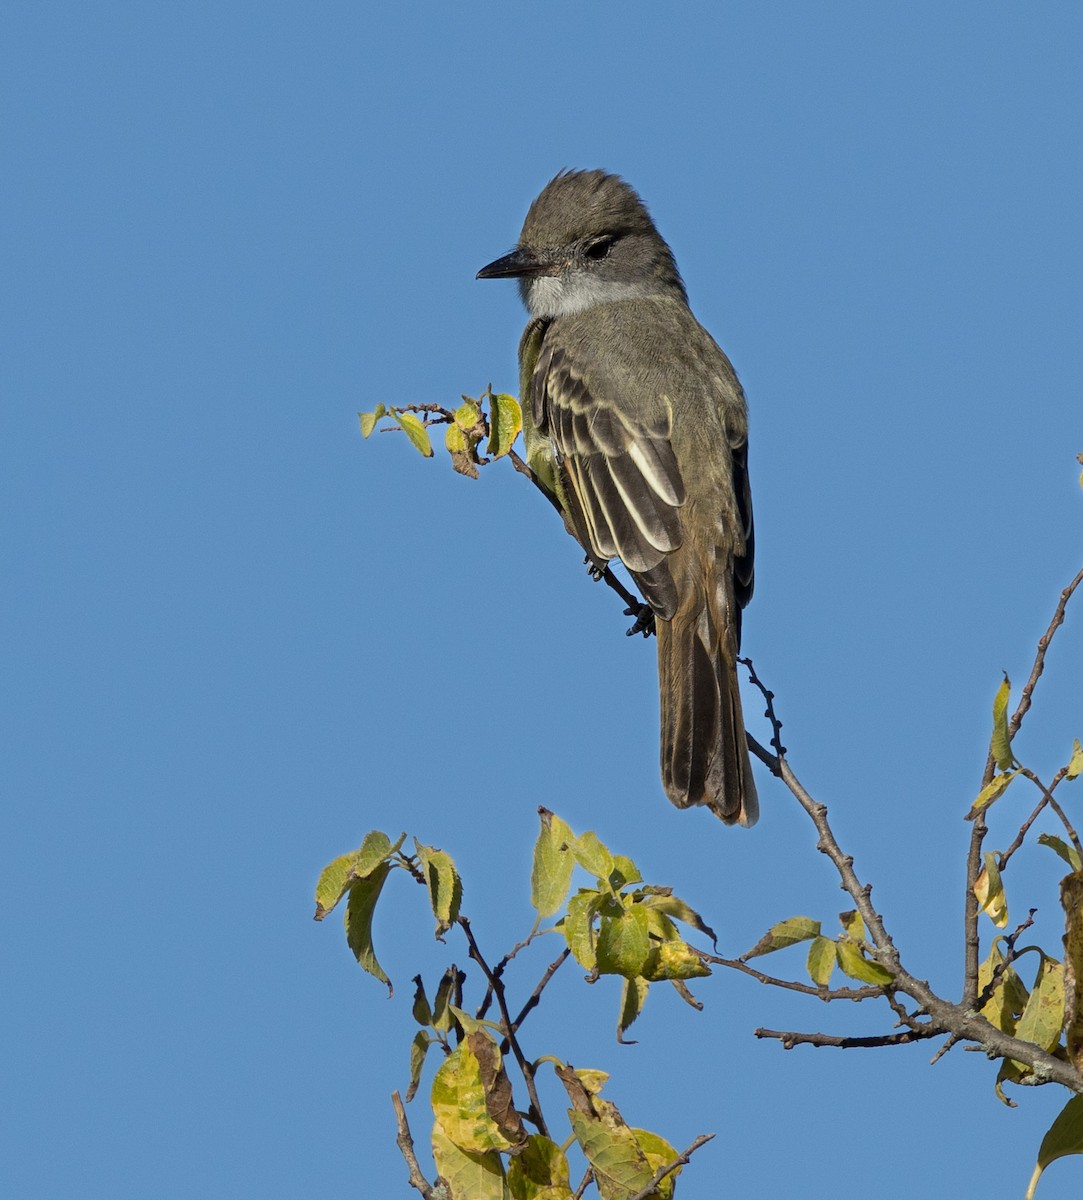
x: 704, y: 752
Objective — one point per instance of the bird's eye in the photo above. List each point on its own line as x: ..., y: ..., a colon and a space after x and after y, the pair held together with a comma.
x: 599, y: 248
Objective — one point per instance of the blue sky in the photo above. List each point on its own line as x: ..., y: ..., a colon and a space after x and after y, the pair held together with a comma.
x: 236, y: 637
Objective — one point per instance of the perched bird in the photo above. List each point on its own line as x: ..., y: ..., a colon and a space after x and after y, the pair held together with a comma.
x: 636, y: 424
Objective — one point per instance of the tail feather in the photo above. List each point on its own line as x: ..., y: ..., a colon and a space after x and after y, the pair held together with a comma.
x: 704, y: 751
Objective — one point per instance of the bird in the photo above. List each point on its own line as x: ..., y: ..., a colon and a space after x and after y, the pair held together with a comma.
x: 636, y: 426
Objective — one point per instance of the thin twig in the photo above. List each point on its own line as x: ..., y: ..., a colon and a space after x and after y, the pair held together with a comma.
x: 790, y: 1039
x: 680, y: 1161
x: 405, y: 1143
x: 1047, y: 792
x: 979, y: 828
x: 498, y: 970
x: 770, y: 714
x: 535, y: 995
x: 584, y: 1183
x: 821, y: 993
x: 509, y: 1032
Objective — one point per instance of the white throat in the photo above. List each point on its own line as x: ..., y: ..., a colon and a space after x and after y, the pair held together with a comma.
x: 574, y: 291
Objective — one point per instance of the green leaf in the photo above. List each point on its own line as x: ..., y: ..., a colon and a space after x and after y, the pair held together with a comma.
x: 505, y: 422
x: 459, y: 1103
x: 359, y: 909
x: 676, y: 908
x: 578, y: 926
x: 633, y: 997
x: 989, y: 891
x: 853, y: 925
x: 415, y: 431
x: 422, y: 1012
x: 785, y: 933
x: 993, y: 790
x: 857, y: 966
x: 821, y: 961
x: 1000, y: 744
x: 1069, y: 853
x: 419, y: 1047
x: 623, y: 941
x: 473, y: 1175
x: 337, y: 876
x: 624, y: 872
x: 444, y: 1000
x: 551, y: 874
x: 540, y: 1172
x: 1075, y: 763
x: 1065, y: 1136
x: 445, y: 886
x: 592, y: 855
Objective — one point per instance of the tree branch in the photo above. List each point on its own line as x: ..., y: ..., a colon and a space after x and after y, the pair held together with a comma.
x: 791, y: 1039
x: 680, y: 1161
x: 509, y: 1032
x: 405, y: 1143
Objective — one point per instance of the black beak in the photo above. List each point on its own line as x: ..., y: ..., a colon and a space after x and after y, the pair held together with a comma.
x: 514, y: 266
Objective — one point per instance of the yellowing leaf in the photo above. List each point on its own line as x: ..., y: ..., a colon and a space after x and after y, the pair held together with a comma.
x: 1044, y: 1014
x: 821, y: 960
x: 337, y: 876
x: 620, y: 1167
x: 467, y: 1174
x: 540, y: 1172
x: 505, y: 422
x: 1009, y: 997
x: 659, y: 1154
x: 624, y: 871
x: 989, y: 891
x: 1071, y: 897
x: 675, y: 959
x: 1000, y: 744
x: 993, y: 790
x: 551, y: 874
x: 467, y: 416
x: 415, y: 431
x: 1075, y: 763
x: 1065, y: 1136
x: 459, y: 1103
x: 785, y: 933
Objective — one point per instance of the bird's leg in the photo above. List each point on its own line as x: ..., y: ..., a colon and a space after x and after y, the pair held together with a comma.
x: 643, y: 613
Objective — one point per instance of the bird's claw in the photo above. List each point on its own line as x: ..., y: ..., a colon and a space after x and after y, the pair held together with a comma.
x: 596, y: 572
x: 644, y: 620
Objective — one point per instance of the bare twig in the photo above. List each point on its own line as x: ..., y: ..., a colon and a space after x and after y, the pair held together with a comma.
x: 979, y: 828
x: 535, y: 995
x: 405, y: 1143
x: 584, y: 1183
x: 770, y: 714
x: 1047, y: 792
x: 509, y: 1032
x: 498, y: 970
x: 790, y: 1039
x: 809, y: 989
x: 680, y: 1161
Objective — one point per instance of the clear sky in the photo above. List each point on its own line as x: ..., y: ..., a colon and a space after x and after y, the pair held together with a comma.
x: 236, y: 637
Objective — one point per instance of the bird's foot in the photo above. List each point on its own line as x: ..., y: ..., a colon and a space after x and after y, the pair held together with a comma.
x: 595, y: 570
x: 644, y: 620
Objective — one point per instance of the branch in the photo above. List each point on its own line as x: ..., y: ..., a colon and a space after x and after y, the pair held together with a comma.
x: 979, y: 828
x: 405, y: 1143
x: 790, y: 1039
x: 680, y: 1161
x: 535, y: 996
x: 821, y: 993
x: 509, y: 1032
